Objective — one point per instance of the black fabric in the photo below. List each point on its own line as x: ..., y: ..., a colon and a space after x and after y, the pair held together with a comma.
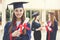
x: 54, y: 31
x: 17, y: 4
x: 37, y: 34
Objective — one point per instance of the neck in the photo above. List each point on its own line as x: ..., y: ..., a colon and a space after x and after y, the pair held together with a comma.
x: 18, y: 19
x: 36, y: 20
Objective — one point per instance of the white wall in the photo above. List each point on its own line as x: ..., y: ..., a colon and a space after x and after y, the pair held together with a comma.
x: 39, y: 4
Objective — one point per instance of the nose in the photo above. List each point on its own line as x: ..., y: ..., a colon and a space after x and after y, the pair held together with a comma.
x: 19, y: 12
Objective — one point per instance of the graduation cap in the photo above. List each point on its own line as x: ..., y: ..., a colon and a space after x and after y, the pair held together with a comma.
x: 51, y: 13
x: 35, y: 14
x: 17, y: 4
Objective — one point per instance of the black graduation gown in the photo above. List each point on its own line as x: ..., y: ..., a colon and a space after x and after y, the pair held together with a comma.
x: 6, y: 35
x: 37, y: 34
x: 53, y: 33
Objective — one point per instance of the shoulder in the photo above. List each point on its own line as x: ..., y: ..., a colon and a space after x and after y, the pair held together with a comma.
x: 55, y: 21
x: 7, y: 24
x: 33, y: 22
x: 28, y: 24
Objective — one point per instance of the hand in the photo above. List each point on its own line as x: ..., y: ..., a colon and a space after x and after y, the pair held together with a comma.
x: 37, y: 29
x: 16, y: 33
x: 49, y: 29
x: 24, y: 31
x: 40, y: 28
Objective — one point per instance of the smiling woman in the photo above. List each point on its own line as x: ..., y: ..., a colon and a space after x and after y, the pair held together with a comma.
x: 17, y: 28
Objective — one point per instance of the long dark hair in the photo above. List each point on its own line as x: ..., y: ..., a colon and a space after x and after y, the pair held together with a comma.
x: 35, y: 18
x: 52, y: 15
x: 13, y: 23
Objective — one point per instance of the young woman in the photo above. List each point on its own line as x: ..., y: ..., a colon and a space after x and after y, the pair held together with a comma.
x: 36, y: 27
x: 17, y: 29
x: 52, y: 27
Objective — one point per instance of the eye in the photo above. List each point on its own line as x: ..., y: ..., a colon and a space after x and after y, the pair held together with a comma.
x: 16, y: 10
x: 20, y: 10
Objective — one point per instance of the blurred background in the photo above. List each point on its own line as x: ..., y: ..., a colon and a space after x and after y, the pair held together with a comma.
x: 43, y: 7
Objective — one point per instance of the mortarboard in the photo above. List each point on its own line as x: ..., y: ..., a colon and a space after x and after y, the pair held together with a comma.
x: 35, y: 14
x: 17, y: 4
x: 51, y: 13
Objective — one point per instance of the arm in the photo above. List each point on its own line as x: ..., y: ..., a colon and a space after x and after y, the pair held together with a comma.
x: 40, y: 28
x: 33, y: 27
x: 56, y: 25
x: 48, y: 26
x: 6, y: 31
x: 29, y: 31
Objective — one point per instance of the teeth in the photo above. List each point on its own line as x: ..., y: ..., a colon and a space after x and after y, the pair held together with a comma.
x: 17, y: 14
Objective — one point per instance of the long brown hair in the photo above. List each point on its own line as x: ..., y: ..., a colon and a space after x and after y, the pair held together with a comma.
x: 13, y: 23
x: 52, y: 18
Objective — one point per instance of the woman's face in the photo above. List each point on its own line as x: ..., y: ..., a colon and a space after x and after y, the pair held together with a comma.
x: 51, y: 17
x: 37, y: 18
x: 18, y: 12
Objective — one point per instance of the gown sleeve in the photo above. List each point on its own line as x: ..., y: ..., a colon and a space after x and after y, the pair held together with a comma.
x: 33, y: 27
x: 29, y: 31
x: 6, y: 31
x: 55, y: 25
